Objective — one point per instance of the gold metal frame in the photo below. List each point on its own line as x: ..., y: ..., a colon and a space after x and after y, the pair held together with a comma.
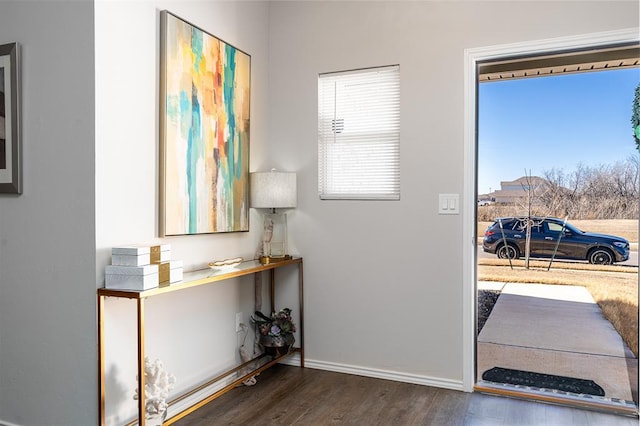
x: 166, y: 20
x: 266, y: 260
x: 193, y: 279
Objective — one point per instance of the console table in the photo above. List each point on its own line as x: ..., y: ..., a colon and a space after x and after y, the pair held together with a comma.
x: 193, y: 279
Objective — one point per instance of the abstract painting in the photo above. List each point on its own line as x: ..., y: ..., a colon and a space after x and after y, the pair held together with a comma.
x: 204, y: 131
x: 10, y: 144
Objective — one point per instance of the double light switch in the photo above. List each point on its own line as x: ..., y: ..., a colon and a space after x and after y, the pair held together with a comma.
x: 449, y: 204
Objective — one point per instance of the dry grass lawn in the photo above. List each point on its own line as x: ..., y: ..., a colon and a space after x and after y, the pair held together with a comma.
x: 626, y: 228
x: 614, y: 288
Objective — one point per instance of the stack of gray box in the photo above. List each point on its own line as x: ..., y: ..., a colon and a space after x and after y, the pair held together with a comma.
x: 142, y: 267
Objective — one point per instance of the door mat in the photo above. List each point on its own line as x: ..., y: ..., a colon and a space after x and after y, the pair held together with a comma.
x: 540, y: 380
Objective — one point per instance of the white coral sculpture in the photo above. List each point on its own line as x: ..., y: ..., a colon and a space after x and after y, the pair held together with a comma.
x: 158, y: 383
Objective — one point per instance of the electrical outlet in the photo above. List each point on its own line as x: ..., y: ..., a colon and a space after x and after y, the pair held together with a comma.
x: 238, y: 321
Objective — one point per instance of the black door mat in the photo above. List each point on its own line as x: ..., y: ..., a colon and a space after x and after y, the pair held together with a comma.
x: 540, y: 380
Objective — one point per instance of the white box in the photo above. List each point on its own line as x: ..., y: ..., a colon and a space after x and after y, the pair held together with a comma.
x: 170, y: 272
x: 176, y: 275
x: 175, y: 271
x: 157, y: 252
x: 131, y: 277
x: 132, y: 250
x: 130, y: 260
x: 159, y: 255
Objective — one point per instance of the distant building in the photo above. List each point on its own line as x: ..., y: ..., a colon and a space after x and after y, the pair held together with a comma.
x: 517, y: 190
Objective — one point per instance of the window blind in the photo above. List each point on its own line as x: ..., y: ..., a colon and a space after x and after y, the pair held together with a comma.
x: 359, y: 134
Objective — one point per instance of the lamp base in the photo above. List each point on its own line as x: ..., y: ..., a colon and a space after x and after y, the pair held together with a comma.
x: 266, y: 260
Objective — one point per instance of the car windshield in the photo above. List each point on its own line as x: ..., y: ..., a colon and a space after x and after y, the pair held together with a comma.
x: 573, y: 229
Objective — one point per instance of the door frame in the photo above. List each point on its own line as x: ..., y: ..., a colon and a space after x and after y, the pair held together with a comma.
x: 472, y: 57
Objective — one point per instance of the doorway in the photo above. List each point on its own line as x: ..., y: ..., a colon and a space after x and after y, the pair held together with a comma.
x: 504, y: 62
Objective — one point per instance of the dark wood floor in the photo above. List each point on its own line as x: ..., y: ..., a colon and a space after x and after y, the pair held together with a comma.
x: 286, y: 395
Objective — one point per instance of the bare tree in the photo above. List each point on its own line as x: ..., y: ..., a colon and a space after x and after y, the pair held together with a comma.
x: 594, y: 192
x: 558, y: 197
x: 534, y: 192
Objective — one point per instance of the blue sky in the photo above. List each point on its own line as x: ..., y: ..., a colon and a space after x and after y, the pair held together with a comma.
x: 553, y: 122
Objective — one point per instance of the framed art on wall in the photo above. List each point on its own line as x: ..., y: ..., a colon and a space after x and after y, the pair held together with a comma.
x: 204, y: 131
x: 10, y: 144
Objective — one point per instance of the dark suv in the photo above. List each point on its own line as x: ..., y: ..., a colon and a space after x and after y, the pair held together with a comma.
x: 545, y: 232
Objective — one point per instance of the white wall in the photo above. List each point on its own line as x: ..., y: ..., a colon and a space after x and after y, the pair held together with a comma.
x: 384, y: 280
x: 47, y: 237
x: 193, y: 332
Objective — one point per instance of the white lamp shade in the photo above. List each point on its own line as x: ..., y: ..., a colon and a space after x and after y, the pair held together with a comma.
x: 273, y: 190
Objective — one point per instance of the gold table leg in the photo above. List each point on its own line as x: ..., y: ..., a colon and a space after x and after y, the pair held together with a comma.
x: 301, y: 304
x: 272, y: 282
x: 141, y: 384
x: 101, y: 413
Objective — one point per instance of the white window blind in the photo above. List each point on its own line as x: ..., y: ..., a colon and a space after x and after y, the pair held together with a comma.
x: 359, y: 134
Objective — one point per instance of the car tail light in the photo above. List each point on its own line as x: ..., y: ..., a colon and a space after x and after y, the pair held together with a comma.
x: 488, y: 233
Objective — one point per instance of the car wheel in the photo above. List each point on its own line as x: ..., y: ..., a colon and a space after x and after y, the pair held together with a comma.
x: 507, y: 252
x: 600, y: 257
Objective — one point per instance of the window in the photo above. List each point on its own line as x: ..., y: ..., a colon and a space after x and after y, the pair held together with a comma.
x: 359, y: 134
x: 554, y: 227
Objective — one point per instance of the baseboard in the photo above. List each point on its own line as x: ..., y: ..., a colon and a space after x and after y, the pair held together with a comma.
x: 384, y: 374
x: 292, y: 360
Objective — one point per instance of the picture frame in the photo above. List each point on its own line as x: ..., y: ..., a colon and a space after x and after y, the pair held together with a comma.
x: 10, y: 141
x: 205, y: 88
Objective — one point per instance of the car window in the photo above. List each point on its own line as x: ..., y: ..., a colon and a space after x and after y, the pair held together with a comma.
x: 554, y: 227
x: 506, y: 224
x: 521, y: 226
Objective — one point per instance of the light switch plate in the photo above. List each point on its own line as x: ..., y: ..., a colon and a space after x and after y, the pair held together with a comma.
x: 449, y: 204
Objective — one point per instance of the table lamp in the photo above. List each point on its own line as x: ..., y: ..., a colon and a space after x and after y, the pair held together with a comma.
x: 274, y: 192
